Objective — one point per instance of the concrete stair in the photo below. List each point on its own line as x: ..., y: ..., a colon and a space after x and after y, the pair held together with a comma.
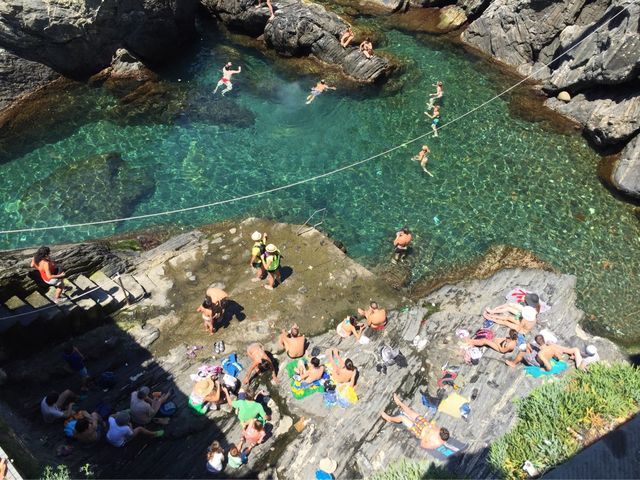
x: 87, y: 288
x: 133, y: 288
x: 24, y: 314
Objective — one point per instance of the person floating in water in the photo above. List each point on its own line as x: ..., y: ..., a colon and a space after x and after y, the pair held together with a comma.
x: 437, y: 95
x: 269, y: 6
x: 227, y: 73
x: 320, y: 87
x: 422, y: 157
x: 366, y: 48
x: 435, y: 119
x: 401, y: 244
x: 346, y: 37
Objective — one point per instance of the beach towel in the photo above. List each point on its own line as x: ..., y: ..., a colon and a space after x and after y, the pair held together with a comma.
x: 517, y: 296
x: 449, y: 449
x: 537, y: 372
x: 302, y: 390
x: 347, y: 393
x: 231, y: 365
x: 453, y: 405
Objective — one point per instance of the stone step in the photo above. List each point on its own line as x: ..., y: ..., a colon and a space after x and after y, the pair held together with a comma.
x: 25, y: 314
x: 109, y: 286
x: 135, y: 290
x: 46, y: 309
x: 7, y: 319
x: 89, y: 289
x: 65, y: 305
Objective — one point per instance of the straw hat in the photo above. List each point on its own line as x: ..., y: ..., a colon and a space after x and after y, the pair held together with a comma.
x: 529, y: 313
x: 256, y: 236
x: 203, y: 387
x: 328, y: 465
x: 271, y: 248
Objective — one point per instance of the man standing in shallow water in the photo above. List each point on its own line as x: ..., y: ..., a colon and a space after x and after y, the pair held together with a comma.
x: 227, y: 73
x: 401, y: 244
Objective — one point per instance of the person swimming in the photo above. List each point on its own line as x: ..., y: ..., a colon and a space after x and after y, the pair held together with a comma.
x: 435, y: 119
x: 227, y: 73
x: 320, y: 87
x: 422, y: 157
x: 437, y: 95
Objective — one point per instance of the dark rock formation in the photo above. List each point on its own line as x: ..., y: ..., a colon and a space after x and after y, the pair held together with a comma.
x: 19, y: 77
x: 626, y: 174
x: 79, y: 38
x: 300, y: 29
x: 117, y: 189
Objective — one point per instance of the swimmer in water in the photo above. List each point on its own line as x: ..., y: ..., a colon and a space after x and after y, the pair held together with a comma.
x: 422, y: 157
x: 320, y: 87
x: 435, y: 119
x: 227, y: 73
x: 437, y: 95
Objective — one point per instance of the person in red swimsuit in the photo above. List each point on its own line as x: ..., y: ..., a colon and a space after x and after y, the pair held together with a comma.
x: 48, y: 271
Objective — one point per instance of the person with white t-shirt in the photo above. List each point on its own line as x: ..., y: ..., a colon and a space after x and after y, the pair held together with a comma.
x: 52, y: 406
x: 215, y: 458
x: 120, y: 431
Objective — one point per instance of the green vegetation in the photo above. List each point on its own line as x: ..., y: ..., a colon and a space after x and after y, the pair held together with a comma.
x: 60, y: 472
x: 412, y: 470
x: 559, y: 418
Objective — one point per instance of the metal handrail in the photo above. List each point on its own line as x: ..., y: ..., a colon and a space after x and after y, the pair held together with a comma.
x: 324, y: 213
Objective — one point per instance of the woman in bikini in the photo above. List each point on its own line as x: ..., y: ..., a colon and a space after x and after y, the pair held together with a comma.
x: 49, y: 271
x: 500, y: 345
x: 341, y: 371
x: 350, y: 326
x: 209, y: 314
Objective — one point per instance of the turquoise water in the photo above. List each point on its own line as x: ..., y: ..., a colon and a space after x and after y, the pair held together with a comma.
x: 497, y: 178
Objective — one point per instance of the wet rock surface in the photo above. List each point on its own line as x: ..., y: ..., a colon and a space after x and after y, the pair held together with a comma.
x: 626, y: 175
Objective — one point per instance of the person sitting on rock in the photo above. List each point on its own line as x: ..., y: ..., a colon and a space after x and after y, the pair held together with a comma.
x: 49, y: 272
x: 53, y: 404
x: 215, y: 458
x: 120, y: 430
x: 422, y: 157
x: 144, y: 408
x: 523, y: 322
x: 430, y: 436
x: 341, y: 371
x: 541, y: 354
x: 227, y: 73
x: 350, y: 326
x: 311, y: 371
x: 437, y: 95
x: 89, y: 429
x: 269, y: 6
x: 257, y: 251
x: 208, y: 392
x: 401, y: 244
x: 292, y: 342
x: 260, y: 362
x: 501, y: 345
x: 271, y: 263
x: 237, y: 456
x: 375, y: 316
x: 320, y: 87
x: 253, y: 434
x: 435, y: 119
x: 366, y: 47
x: 347, y: 37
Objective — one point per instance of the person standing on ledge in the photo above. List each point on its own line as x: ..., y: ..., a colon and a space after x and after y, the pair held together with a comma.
x: 346, y: 37
x: 320, y: 87
x: 437, y: 95
x: 227, y: 73
x: 366, y: 48
x: 271, y: 263
x: 269, y: 6
x: 401, y: 244
x: 257, y: 251
x: 49, y: 272
x: 422, y: 158
x: 435, y: 119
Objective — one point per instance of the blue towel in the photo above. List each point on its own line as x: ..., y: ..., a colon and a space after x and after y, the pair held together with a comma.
x: 537, y: 372
x: 231, y: 365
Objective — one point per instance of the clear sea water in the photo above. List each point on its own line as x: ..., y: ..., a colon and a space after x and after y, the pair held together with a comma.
x: 498, y: 178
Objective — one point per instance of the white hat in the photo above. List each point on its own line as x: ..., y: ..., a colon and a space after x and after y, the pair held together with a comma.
x: 328, y: 465
x: 256, y: 236
x: 529, y: 313
x: 592, y: 350
x: 271, y: 248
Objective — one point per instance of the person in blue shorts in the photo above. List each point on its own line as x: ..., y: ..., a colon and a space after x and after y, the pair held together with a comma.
x: 75, y: 360
x: 435, y: 119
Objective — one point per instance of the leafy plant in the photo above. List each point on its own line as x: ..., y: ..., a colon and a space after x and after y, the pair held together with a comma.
x: 60, y: 472
x: 590, y: 402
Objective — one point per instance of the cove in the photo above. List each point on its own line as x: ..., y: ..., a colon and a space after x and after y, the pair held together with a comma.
x: 498, y: 178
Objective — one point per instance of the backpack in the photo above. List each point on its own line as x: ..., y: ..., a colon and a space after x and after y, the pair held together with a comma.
x: 388, y: 355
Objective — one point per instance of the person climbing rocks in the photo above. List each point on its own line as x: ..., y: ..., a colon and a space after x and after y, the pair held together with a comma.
x: 257, y: 251
x: 260, y: 361
x: 227, y: 73
x: 269, y: 6
x: 375, y: 316
x: 435, y: 96
x: 422, y: 157
x: 120, y: 430
x: 366, y: 47
x: 435, y: 119
x: 320, y: 87
x: 347, y: 37
x: 49, y: 272
x: 293, y: 342
x: 271, y: 263
x: 430, y: 436
x: 75, y: 361
x: 401, y: 244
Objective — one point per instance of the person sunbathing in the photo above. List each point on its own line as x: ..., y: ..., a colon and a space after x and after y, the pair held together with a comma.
x: 342, y: 371
x: 350, y: 326
x: 366, y: 47
x: 522, y: 322
x: 310, y: 372
x: 541, y: 353
x: 292, y: 342
x: 500, y: 345
x: 346, y: 37
x: 430, y: 436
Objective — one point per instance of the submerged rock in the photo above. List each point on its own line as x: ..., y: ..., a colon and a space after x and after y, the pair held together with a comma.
x: 626, y: 173
x: 105, y: 181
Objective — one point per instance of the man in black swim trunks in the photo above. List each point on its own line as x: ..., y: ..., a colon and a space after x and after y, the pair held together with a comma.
x: 292, y: 342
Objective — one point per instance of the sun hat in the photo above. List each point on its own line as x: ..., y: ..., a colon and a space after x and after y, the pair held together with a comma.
x: 529, y: 313
x: 532, y: 299
x: 328, y: 465
x: 203, y: 387
x: 271, y: 248
x: 256, y: 236
x: 592, y: 350
x: 122, y: 418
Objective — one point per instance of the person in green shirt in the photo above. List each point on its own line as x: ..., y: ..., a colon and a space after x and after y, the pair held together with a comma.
x: 247, y: 410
